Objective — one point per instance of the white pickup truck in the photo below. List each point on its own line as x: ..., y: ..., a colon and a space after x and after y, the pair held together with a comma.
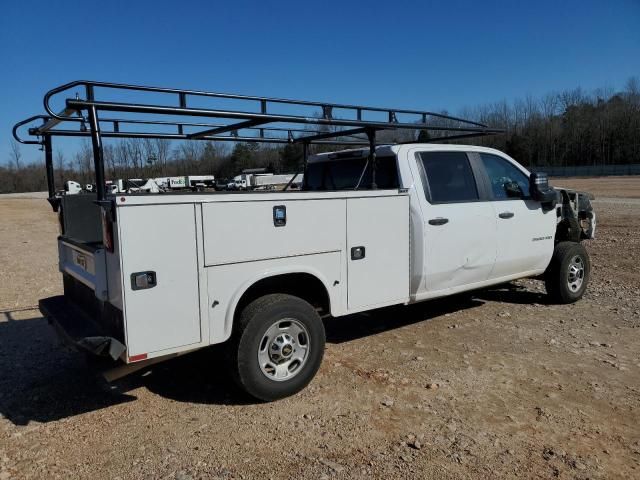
x: 151, y: 276
x: 258, y: 271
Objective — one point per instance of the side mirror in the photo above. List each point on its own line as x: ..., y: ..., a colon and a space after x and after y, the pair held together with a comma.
x: 540, y: 189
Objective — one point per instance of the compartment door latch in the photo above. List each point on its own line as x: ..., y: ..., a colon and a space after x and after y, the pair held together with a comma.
x: 143, y: 280
x: 279, y: 216
x: 357, y: 253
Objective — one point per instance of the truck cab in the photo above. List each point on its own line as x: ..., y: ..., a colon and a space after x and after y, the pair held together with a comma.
x: 475, y: 217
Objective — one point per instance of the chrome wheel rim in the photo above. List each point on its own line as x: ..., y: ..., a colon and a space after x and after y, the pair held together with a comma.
x: 283, y: 350
x: 575, y: 276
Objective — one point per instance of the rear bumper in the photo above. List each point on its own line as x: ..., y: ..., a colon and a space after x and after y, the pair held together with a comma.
x: 76, y: 328
x: 85, y: 262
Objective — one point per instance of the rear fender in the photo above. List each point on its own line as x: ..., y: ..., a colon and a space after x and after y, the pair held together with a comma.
x: 230, y: 313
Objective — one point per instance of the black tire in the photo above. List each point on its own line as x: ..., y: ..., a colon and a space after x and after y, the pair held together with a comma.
x: 557, y: 276
x: 253, y: 324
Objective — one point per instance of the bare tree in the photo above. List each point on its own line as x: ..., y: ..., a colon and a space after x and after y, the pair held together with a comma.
x: 568, y: 128
x: 135, y: 154
x: 162, y: 149
x: 109, y: 154
x: 16, y: 158
x: 60, y: 166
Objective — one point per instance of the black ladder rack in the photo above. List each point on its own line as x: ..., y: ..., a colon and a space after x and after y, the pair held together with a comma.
x: 266, y: 120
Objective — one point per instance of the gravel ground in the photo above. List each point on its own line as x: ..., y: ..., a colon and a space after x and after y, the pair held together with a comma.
x: 494, y: 384
x: 623, y: 187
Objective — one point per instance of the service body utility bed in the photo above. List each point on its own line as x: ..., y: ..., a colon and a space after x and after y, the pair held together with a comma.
x: 204, y: 251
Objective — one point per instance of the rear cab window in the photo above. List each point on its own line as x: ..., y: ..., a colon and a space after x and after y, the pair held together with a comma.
x: 349, y: 173
x: 447, y: 177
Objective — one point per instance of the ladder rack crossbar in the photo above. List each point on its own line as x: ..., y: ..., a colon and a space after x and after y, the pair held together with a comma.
x: 329, y: 124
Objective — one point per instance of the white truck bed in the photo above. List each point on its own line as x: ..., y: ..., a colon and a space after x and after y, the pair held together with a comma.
x: 206, y: 250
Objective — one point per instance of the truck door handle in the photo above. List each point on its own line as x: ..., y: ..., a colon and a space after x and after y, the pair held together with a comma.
x: 438, y: 221
x: 506, y: 215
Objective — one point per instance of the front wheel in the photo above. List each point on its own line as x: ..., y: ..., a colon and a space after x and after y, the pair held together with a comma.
x: 567, y: 275
x: 277, y: 346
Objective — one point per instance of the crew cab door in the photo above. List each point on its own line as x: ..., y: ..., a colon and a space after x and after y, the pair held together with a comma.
x: 459, y: 225
x: 525, y: 232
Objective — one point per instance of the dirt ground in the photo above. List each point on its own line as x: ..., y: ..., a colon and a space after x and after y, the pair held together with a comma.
x: 623, y: 187
x: 494, y: 384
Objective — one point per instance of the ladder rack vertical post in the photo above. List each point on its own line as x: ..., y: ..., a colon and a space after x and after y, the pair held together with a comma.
x: 305, y: 155
x: 371, y: 135
x: 305, y: 146
x: 305, y: 158
x: 48, y: 162
x: 98, y: 159
x: 182, y: 99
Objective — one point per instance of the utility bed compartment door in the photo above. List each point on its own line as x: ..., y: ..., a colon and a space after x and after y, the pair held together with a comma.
x: 247, y: 231
x: 377, y: 251
x: 160, y: 239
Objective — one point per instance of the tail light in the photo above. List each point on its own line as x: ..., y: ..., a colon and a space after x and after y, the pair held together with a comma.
x: 107, y: 231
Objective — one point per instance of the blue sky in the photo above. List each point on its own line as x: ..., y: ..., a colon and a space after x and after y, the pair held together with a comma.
x: 423, y: 54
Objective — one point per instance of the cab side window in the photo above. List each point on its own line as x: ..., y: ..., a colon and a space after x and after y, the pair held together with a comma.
x: 507, y: 181
x: 449, y: 178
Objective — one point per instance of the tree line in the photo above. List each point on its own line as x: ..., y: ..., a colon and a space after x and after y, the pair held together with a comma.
x: 567, y: 128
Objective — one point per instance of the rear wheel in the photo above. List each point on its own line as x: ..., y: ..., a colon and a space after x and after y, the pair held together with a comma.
x: 568, y: 273
x: 277, y: 346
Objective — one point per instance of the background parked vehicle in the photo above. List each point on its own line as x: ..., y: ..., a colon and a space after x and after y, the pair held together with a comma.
x: 264, y: 181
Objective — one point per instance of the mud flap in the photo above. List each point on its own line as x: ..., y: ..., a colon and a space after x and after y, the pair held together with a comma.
x: 77, y: 329
x: 102, y: 346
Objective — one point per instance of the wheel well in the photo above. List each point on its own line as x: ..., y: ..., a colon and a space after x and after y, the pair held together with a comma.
x: 301, y: 285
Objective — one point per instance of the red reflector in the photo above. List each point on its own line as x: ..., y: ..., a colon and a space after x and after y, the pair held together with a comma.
x: 107, y: 232
x: 137, y: 358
